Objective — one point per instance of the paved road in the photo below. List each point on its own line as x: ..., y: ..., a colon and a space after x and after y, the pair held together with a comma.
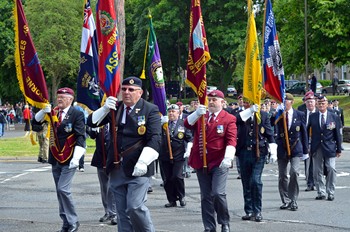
x: 28, y: 202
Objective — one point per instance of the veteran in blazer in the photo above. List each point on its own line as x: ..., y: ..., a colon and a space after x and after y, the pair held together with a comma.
x: 253, y: 142
x: 298, y: 145
x: 325, y: 147
x: 181, y: 143
x: 221, y: 139
x: 138, y: 129
x: 67, y: 146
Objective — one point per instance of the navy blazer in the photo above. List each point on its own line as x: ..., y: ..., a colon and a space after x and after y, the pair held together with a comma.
x: 246, y: 136
x: 328, y: 139
x: 142, y: 124
x: 102, y: 146
x: 297, y: 134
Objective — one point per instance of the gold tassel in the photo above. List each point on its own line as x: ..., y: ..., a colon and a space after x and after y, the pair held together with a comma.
x: 32, y: 139
x: 143, y: 75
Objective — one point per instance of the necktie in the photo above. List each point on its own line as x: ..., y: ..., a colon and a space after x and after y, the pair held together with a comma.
x: 128, y: 110
x: 172, y: 126
x: 323, y: 122
x: 287, y: 120
x: 61, y: 116
x: 212, y: 117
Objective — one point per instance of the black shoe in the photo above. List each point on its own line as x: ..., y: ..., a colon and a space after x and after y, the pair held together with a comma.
x: 170, y: 204
x: 209, y: 230
x: 330, y: 198
x: 309, y: 188
x: 150, y: 190
x: 74, y: 227
x: 247, y: 217
x: 44, y: 161
x: 182, y: 202
x: 225, y: 228
x: 293, y: 206
x: 320, y: 197
x: 63, y: 229
x: 285, y: 206
x: 104, y: 218
x: 161, y: 184
x: 40, y: 160
x: 239, y: 177
x: 114, y: 220
x: 258, y: 217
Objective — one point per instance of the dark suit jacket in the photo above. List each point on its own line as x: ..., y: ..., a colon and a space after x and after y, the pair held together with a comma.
x: 246, y: 132
x: 298, y: 139
x: 219, y: 134
x: 178, y: 140
x: 73, y: 123
x: 329, y: 138
x: 340, y: 113
x: 102, y: 141
x: 131, y: 133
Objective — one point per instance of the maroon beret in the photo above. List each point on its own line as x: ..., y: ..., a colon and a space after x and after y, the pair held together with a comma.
x: 216, y: 93
x: 179, y: 103
x: 65, y: 90
x: 309, y: 95
x: 240, y: 96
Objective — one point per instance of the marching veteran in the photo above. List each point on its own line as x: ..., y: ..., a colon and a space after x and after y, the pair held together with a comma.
x: 221, y: 138
x: 325, y: 147
x: 298, y: 147
x: 138, y: 132
x: 181, y: 143
x: 65, y: 152
x: 253, y: 142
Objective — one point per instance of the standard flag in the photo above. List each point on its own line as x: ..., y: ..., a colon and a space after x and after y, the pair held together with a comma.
x: 108, y: 47
x: 30, y: 76
x: 155, y: 70
x: 252, y: 82
x: 88, y: 91
x: 273, y: 68
x: 198, y: 54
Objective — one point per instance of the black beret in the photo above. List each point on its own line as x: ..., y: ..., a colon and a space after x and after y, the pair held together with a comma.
x: 135, y: 81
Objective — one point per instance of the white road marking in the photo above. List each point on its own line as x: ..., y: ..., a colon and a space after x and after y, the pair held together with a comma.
x: 25, y: 172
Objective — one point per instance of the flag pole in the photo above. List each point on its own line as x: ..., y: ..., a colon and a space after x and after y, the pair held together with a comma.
x: 169, y: 143
x: 285, y: 126
x: 204, y: 147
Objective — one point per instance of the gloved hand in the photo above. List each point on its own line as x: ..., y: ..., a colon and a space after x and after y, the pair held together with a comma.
x: 164, y: 119
x: 201, y: 110
x: 305, y: 157
x: 78, y: 153
x: 228, y: 158
x: 254, y: 108
x: 140, y: 169
x: 148, y: 155
x: 273, y: 152
x: 192, y: 118
x: 110, y: 103
x: 41, y: 114
x: 102, y: 112
x: 188, y: 150
x: 96, y: 129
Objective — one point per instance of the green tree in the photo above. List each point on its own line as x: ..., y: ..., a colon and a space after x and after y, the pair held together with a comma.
x: 56, y: 31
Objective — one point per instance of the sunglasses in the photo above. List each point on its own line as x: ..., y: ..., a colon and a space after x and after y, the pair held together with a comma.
x: 130, y: 89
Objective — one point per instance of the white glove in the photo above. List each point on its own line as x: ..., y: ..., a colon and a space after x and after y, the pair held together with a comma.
x: 164, y: 119
x: 78, y: 153
x: 305, y: 157
x: 188, y: 150
x: 273, y: 152
x: 246, y: 114
x: 41, y: 114
x: 228, y: 158
x: 96, y: 129
x: 148, y: 155
x: 254, y: 108
x: 192, y: 118
x: 102, y: 112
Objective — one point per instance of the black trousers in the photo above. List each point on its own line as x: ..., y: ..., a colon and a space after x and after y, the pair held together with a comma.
x: 174, y: 184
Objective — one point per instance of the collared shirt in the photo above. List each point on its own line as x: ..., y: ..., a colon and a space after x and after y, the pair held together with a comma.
x: 290, y: 117
x: 308, y: 114
x: 63, y: 112
x: 124, y: 113
x: 215, y: 115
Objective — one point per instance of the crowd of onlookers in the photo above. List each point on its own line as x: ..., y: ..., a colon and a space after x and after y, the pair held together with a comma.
x: 11, y: 114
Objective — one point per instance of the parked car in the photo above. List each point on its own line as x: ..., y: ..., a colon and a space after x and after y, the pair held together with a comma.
x: 231, y: 91
x: 343, y: 87
x: 300, y: 88
x: 290, y: 83
x: 211, y: 88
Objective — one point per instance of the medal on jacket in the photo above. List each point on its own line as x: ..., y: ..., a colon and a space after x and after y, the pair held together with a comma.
x: 180, y: 135
x: 220, y: 129
x: 297, y: 128
x: 141, y: 121
x: 262, y: 130
x: 68, y: 128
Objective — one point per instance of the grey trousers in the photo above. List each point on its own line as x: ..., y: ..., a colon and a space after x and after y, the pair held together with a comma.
x: 63, y: 177
x: 288, y: 188
x: 131, y: 195
x: 319, y: 159
x: 107, y: 196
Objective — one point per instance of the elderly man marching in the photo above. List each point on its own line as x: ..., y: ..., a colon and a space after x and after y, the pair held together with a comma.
x: 253, y: 142
x: 221, y: 138
x: 325, y: 147
x: 137, y: 144
x: 65, y: 152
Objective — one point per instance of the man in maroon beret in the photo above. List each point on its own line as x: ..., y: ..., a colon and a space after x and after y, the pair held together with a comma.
x: 64, y: 158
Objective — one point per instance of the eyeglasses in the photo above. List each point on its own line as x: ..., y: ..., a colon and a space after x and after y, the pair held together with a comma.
x: 130, y: 89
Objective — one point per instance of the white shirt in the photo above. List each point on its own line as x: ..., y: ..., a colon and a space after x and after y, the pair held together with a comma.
x: 290, y: 117
x: 124, y: 113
